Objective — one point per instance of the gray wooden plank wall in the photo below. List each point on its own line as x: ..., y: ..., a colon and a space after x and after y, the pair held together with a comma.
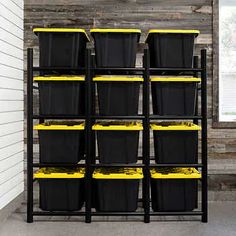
x: 143, y: 14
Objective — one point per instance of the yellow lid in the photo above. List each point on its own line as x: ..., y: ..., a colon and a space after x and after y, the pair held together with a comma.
x: 115, y: 31
x: 60, y: 30
x: 59, y: 173
x: 59, y: 125
x: 175, y: 173
x: 175, y: 126
x: 175, y: 79
x: 118, y: 79
x: 118, y: 125
x: 59, y: 78
x: 118, y: 173
x: 173, y: 31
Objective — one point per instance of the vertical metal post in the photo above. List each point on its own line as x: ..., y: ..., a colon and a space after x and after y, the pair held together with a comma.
x: 30, y: 135
x: 93, y: 110
x: 204, y: 136
x: 88, y: 177
x: 196, y: 121
x: 195, y: 65
x: 146, y: 138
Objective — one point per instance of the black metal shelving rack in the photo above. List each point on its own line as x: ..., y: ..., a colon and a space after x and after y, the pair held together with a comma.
x: 90, y: 157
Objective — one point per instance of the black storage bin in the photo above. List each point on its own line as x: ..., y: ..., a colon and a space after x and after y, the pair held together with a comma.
x: 60, y: 189
x: 174, y: 190
x: 116, y: 190
x: 62, y: 95
x: 61, y: 47
x: 174, y: 96
x: 115, y: 47
x: 171, y: 48
x: 175, y: 142
x: 61, y: 142
x: 118, y: 95
x: 118, y: 141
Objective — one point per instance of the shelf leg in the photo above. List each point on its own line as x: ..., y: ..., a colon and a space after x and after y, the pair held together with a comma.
x: 204, y: 137
x: 30, y: 135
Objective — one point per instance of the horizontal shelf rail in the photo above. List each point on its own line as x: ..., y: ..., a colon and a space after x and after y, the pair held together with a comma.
x: 157, y: 117
x: 173, y: 213
x: 117, y: 213
x: 117, y: 165
x: 176, y: 165
x: 82, y: 213
x: 194, y: 70
x: 47, y: 69
x: 61, y: 213
x: 58, y: 117
x: 36, y: 165
x: 124, y: 69
x: 100, y: 117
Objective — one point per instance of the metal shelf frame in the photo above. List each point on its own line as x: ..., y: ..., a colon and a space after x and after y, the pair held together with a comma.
x: 90, y: 118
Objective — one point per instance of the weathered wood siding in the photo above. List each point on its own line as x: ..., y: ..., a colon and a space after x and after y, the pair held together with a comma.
x: 11, y: 100
x: 143, y: 14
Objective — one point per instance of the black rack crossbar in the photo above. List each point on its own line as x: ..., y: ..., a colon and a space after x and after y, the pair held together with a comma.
x: 58, y: 117
x: 117, y: 213
x: 90, y: 118
x: 169, y: 213
x: 139, y: 117
x: 114, y: 69
x: 194, y: 70
x: 36, y: 165
x: 177, y: 165
x: 156, y: 117
x: 107, y: 70
x: 118, y: 165
x: 42, y: 69
x: 61, y: 213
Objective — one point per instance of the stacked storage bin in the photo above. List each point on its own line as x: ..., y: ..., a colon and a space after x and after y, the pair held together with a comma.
x: 61, y: 189
x: 61, y: 93
x: 171, y: 48
x: 118, y: 95
x: 174, y: 189
x: 117, y: 189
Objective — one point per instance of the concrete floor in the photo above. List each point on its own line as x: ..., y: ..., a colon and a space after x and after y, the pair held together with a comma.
x: 222, y: 221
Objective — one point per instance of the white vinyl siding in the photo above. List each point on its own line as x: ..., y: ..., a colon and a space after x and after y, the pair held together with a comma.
x: 11, y: 100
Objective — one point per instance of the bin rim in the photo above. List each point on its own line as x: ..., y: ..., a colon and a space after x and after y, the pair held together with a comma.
x: 117, y: 79
x: 175, y: 173
x: 112, y: 30
x: 172, y: 126
x: 174, y: 31
x: 60, y: 30
x: 171, y: 31
x: 118, y: 126
x: 45, y: 126
x: 59, y: 78
x: 118, y: 173
x: 175, y: 79
x: 44, y: 173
